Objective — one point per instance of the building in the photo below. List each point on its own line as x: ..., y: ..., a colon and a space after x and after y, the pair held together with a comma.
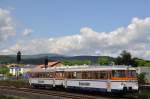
x: 145, y: 70
x: 3, y: 77
x: 41, y: 68
x: 20, y: 70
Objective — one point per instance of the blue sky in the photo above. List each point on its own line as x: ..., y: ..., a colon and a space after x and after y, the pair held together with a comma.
x: 75, y: 27
x: 65, y: 17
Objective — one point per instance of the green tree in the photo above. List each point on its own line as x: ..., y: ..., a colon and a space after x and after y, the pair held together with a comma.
x: 140, y: 62
x: 4, y: 70
x: 125, y: 58
x: 103, y: 61
x: 147, y: 64
x: 141, y: 78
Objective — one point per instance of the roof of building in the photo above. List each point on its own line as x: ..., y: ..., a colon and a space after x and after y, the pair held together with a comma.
x: 52, y: 64
x: 41, y: 68
x: 38, y: 68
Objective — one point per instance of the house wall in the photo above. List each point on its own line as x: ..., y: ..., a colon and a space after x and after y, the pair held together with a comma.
x: 13, y: 71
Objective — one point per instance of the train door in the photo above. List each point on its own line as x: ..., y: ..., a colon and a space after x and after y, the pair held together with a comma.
x: 108, y: 81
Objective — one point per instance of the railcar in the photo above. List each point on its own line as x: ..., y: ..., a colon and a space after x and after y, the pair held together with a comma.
x: 99, y: 78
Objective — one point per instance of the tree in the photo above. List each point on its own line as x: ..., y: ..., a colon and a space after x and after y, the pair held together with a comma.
x: 103, y: 61
x: 147, y: 64
x: 141, y: 78
x: 118, y: 60
x: 140, y: 62
x: 125, y: 58
x: 4, y: 70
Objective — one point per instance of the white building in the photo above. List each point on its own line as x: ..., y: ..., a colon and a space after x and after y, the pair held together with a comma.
x: 16, y: 70
x: 3, y: 77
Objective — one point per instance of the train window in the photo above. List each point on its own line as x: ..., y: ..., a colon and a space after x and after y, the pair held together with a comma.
x: 118, y: 73
x: 79, y: 75
x: 131, y: 73
x: 102, y: 74
x: 42, y: 75
x: 70, y: 75
x: 89, y: 75
x: 96, y: 75
x: 108, y: 75
x: 49, y: 75
x: 36, y: 75
x: 74, y: 74
x: 33, y: 75
x: 59, y: 75
x: 84, y: 75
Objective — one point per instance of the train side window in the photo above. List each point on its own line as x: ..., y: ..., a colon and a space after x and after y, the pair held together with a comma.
x: 102, y: 74
x: 118, y: 73
x: 59, y: 75
x: 78, y: 75
x: 88, y: 75
x: 35, y: 75
x: 109, y: 74
x: 69, y: 75
x: 84, y: 75
x: 50, y: 75
x: 95, y: 75
x: 131, y: 73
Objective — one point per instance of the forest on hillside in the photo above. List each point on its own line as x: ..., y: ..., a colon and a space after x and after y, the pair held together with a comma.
x: 125, y: 58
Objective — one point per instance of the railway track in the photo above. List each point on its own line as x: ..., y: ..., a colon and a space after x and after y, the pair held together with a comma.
x: 59, y: 94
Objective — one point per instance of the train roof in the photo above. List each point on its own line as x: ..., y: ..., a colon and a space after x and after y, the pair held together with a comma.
x: 89, y: 68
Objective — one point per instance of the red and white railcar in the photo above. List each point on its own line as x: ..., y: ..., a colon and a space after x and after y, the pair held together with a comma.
x: 99, y: 78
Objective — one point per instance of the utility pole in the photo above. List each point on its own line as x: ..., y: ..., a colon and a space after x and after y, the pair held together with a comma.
x: 46, y: 62
x: 18, y: 57
x: 18, y: 61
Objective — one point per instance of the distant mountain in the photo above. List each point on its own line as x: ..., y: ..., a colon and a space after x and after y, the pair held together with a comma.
x: 35, y: 56
x: 39, y: 58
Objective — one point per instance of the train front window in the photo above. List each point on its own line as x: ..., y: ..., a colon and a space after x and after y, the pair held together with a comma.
x: 131, y: 73
x: 118, y: 73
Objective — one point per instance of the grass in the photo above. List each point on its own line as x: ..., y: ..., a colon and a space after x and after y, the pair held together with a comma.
x: 9, y: 97
x: 145, y: 94
x: 15, y: 83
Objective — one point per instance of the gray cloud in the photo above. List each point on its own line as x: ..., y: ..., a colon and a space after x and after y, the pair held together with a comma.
x: 27, y: 32
x: 134, y: 38
x: 7, y: 27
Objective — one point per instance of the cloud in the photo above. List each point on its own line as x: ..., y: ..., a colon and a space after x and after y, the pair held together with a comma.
x: 135, y: 38
x: 27, y: 32
x: 7, y: 27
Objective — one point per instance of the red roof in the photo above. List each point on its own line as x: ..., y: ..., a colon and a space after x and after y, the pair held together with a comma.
x: 40, y: 68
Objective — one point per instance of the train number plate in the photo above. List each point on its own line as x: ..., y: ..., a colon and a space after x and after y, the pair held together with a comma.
x: 84, y: 84
x: 40, y: 81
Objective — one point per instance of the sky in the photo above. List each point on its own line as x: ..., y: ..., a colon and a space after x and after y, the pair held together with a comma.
x: 75, y: 27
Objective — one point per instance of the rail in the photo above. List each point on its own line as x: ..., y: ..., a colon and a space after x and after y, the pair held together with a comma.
x: 59, y: 94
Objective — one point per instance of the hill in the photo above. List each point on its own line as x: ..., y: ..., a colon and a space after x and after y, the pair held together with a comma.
x: 39, y: 58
